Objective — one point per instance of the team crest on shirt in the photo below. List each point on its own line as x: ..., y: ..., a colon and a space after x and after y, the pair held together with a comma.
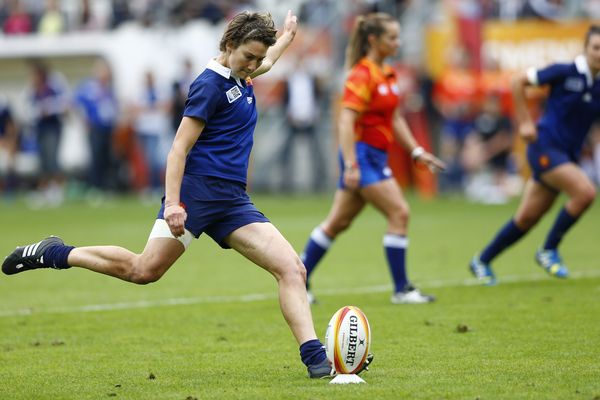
x: 233, y: 94
x: 249, y: 100
x: 574, y: 84
x: 544, y: 161
x: 383, y: 89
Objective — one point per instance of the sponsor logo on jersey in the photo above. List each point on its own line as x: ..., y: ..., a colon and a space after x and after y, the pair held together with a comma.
x: 233, y: 94
x: 574, y: 84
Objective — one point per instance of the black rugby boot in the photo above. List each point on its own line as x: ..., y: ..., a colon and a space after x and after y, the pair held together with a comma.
x: 25, y: 258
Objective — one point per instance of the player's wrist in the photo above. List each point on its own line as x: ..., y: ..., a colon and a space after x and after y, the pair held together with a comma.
x: 417, y: 152
x: 350, y: 165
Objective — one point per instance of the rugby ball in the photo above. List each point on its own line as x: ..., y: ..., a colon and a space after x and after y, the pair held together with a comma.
x: 348, y: 340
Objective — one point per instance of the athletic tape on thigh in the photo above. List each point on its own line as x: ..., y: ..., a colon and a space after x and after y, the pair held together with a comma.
x: 161, y: 230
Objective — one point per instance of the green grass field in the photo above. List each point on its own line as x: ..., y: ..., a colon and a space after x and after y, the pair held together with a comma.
x: 211, y: 328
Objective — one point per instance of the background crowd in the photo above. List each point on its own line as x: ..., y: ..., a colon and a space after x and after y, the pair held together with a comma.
x: 463, y: 113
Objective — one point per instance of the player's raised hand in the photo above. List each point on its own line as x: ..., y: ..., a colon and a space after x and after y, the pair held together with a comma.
x: 175, y: 217
x: 290, y: 25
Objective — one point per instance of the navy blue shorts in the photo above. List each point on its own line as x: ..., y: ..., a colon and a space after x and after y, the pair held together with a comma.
x: 542, y: 158
x: 372, y: 163
x: 216, y: 207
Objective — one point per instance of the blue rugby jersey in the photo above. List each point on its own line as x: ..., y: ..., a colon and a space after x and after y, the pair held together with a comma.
x: 228, y: 107
x: 572, y: 106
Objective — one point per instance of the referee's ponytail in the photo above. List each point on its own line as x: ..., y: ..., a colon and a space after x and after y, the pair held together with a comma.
x: 364, y: 26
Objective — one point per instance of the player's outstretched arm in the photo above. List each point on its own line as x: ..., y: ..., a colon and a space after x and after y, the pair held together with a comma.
x: 405, y: 138
x: 290, y: 27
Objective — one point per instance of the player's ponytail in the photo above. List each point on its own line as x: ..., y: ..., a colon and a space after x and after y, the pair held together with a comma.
x: 364, y: 26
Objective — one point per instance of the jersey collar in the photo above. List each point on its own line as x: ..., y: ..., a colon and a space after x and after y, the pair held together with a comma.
x: 584, y: 69
x: 222, y: 70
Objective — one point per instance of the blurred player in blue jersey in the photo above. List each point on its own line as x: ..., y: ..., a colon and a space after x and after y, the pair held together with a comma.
x: 369, y: 122
x: 553, y: 149
x: 206, y: 187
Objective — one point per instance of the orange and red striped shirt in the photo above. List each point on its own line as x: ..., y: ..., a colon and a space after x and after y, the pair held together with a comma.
x: 373, y: 93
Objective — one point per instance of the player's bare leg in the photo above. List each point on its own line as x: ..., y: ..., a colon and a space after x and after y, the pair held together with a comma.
x: 157, y: 257
x: 569, y: 178
x: 265, y: 246
x: 262, y: 244
x: 535, y: 202
x: 387, y: 197
x: 346, y: 206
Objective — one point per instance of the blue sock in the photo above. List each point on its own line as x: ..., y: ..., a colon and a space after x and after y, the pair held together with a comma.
x: 312, y: 352
x: 315, y: 249
x: 56, y: 256
x: 505, y: 237
x: 564, y: 221
x: 395, y: 251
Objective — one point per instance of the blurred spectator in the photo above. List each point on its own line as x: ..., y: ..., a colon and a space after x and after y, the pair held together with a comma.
x: 486, y: 155
x: 152, y: 127
x: 8, y: 147
x: 302, y: 95
x: 317, y: 13
x: 212, y: 11
x: 591, y: 9
x: 544, y: 9
x: 181, y: 87
x: 455, y: 96
x: 3, y: 12
x: 52, y: 21
x: 96, y: 100
x: 18, y: 21
x: 88, y: 18
x: 48, y: 101
x: 490, y: 9
x: 120, y: 12
x: 237, y: 6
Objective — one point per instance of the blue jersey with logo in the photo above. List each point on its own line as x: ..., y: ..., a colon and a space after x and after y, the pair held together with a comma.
x: 572, y: 106
x: 227, y: 106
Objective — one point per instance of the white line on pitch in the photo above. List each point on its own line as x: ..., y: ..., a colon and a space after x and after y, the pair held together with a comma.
x: 269, y: 296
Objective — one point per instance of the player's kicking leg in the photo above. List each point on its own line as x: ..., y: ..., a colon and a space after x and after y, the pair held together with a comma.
x: 158, y: 255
